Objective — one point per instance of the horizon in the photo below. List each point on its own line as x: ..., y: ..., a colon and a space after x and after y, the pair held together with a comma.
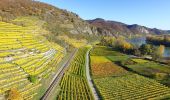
x: 143, y: 12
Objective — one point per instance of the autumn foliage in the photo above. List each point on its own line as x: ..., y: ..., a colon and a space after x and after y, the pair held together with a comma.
x: 106, y: 69
x: 14, y: 95
x: 101, y: 66
x: 117, y: 43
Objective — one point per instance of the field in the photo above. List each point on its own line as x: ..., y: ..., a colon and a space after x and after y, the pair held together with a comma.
x: 140, y: 60
x: 118, y: 58
x: 73, y: 85
x: 154, y: 70
x: 115, y: 83
x: 101, y: 67
x: 104, y: 51
x: 150, y: 68
x: 26, y: 58
x: 130, y: 87
x: 74, y: 42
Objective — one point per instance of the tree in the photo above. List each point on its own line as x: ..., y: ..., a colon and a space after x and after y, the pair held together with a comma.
x: 146, y: 49
x: 127, y: 46
x: 33, y: 79
x: 107, y: 41
x: 14, y: 95
x: 158, y: 52
x: 136, y: 52
x: 161, y: 50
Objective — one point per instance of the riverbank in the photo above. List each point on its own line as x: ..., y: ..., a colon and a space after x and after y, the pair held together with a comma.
x: 142, y: 40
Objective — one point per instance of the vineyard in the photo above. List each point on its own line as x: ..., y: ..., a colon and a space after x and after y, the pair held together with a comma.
x: 25, y: 54
x: 150, y: 67
x: 73, y: 85
x: 115, y: 83
x: 102, y: 67
x: 130, y: 87
x: 104, y: 51
x: 74, y: 42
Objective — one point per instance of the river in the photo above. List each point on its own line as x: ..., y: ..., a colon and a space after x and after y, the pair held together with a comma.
x: 142, y: 40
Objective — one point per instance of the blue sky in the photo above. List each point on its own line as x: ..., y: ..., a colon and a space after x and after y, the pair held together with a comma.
x: 151, y: 13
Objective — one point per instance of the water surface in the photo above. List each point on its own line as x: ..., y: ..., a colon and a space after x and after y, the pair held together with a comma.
x: 142, y: 40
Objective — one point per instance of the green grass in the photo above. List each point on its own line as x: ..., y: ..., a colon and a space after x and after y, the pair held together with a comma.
x: 117, y: 58
x: 150, y: 67
x: 104, y: 51
x: 99, y: 59
x: 140, y: 60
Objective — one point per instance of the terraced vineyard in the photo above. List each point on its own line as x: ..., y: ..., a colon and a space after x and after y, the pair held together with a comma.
x: 73, y: 85
x: 23, y: 54
x: 74, y: 42
x: 115, y: 83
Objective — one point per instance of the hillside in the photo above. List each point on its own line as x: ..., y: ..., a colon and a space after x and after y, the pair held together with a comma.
x: 58, y: 21
x: 27, y: 58
x: 113, y: 27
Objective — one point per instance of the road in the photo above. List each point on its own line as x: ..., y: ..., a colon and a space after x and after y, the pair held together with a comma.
x: 90, y: 82
x: 58, y: 76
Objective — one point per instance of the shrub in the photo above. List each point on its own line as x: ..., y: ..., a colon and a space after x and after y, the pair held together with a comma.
x: 160, y: 76
x: 158, y: 52
x: 128, y: 62
x: 32, y: 78
x: 14, y: 95
x: 146, y: 49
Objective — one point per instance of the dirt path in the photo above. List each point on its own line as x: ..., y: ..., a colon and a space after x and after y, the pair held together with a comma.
x: 96, y: 97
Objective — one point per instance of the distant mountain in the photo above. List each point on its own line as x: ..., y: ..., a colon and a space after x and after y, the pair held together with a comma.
x: 168, y: 31
x: 113, y: 27
x: 59, y: 21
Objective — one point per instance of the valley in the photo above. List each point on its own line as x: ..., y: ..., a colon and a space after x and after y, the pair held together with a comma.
x: 48, y: 53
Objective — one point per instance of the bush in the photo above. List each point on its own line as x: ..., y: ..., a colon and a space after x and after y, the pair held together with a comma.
x: 32, y: 78
x: 14, y: 95
x: 161, y: 76
x: 146, y: 49
x: 128, y: 62
x: 158, y: 52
